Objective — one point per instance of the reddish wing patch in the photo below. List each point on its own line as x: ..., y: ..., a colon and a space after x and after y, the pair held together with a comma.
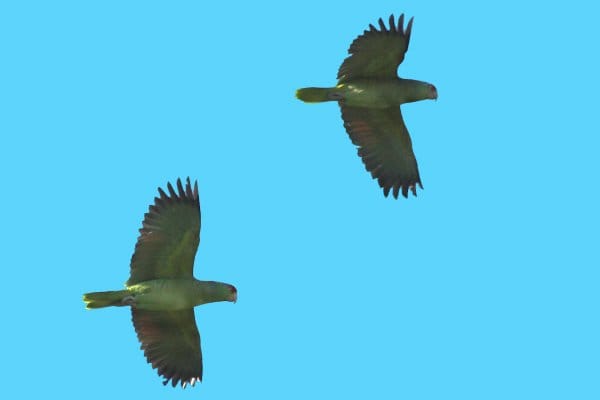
x: 384, y: 146
x: 171, y: 343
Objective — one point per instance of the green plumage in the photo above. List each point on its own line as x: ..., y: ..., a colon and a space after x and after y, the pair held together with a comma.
x: 313, y: 95
x: 105, y: 299
x: 162, y: 290
x: 370, y: 93
x: 162, y: 294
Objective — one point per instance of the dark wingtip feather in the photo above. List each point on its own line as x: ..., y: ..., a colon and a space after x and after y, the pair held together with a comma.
x: 188, y: 188
x: 180, y: 188
x: 408, y: 30
x: 171, y: 191
x: 405, y: 191
x: 382, y: 25
x: 162, y: 193
x: 392, y: 24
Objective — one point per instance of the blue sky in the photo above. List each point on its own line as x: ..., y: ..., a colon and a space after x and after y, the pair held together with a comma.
x: 485, y: 286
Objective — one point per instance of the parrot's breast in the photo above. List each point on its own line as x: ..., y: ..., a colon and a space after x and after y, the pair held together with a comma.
x: 166, y: 294
x: 373, y: 93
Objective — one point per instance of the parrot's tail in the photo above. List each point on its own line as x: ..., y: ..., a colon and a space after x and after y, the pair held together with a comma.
x: 105, y: 299
x: 317, y: 95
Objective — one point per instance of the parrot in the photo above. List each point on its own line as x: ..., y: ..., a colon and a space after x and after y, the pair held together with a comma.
x: 369, y: 93
x: 162, y: 291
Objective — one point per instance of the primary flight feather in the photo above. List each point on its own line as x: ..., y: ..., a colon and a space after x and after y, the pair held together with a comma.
x: 161, y: 288
x: 370, y: 93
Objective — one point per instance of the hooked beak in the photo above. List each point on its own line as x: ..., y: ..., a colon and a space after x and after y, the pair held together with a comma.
x: 233, y: 297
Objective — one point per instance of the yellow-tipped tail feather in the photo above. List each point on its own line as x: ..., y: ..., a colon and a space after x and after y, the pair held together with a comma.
x: 104, y: 299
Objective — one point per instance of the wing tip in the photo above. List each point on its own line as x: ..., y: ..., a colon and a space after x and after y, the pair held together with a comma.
x: 172, y: 193
x: 393, y: 26
x: 398, y: 188
x: 184, y: 383
x: 187, y: 192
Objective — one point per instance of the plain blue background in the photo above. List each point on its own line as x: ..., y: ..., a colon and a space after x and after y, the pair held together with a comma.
x: 485, y: 286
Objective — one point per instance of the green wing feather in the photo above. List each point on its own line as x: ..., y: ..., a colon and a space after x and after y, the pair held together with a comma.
x: 171, y: 343
x: 169, y: 236
x: 384, y: 146
x: 377, y: 53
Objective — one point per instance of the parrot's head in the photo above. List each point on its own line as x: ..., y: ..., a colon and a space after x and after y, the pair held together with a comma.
x: 418, y: 90
x: 212, y: 291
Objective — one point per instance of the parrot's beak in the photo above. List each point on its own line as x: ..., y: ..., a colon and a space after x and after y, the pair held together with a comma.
x: 233, y: 297
x: 433, y: 92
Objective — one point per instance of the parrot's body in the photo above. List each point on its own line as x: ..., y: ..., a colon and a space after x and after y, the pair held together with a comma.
x: 162, y: 295
x: 162, y: 290
x: 370, y: 93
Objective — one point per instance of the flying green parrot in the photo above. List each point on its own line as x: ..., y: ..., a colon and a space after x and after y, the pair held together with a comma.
x: 370, y: 93
x: 161, y: 288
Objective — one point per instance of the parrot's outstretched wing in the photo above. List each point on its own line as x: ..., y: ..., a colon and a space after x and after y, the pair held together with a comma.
x: 377, y: 53
x: 169, y: 236
x: 384, y: 146
x: 171, y: 343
